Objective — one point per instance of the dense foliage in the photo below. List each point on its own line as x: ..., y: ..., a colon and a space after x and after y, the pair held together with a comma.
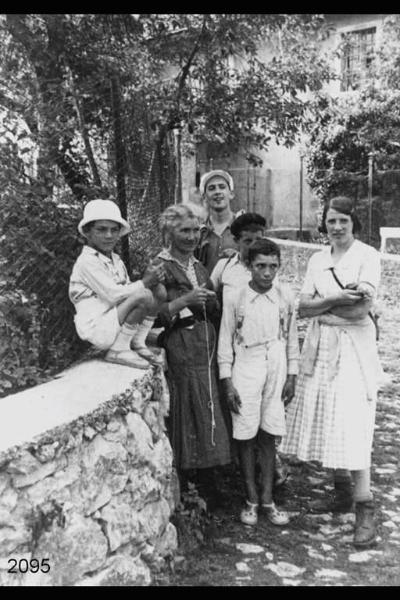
x: 204, y: 72
x: 86, y: 103
x: 38, y: 246
x: 346, y: 130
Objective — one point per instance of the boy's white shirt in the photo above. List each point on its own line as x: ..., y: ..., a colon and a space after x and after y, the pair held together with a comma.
x: 261, y: 322
x: 229, y: 273
x: 98, y: 283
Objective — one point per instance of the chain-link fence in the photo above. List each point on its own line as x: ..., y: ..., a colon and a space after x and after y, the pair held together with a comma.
x: 150, y: 180
x: 80, y: 126
x: 48, y: 174
x: 376, y: 197
x: 291, y: 199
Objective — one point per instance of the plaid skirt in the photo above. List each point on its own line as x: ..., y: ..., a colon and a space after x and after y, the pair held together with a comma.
x: 331, y: 420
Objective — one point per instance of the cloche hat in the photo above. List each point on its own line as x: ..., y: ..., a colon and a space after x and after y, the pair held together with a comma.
x: 216, y: 173
x: 99, y: 210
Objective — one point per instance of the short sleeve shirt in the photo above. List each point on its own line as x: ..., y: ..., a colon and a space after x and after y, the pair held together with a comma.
x: 229, y: 274
x: 361, y: 263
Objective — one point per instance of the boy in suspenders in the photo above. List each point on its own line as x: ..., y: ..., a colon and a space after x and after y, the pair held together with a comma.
x: 258, y: 362
x: 233, y: 272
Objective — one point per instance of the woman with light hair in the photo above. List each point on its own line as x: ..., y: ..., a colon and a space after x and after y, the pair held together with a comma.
x: 198, y: 433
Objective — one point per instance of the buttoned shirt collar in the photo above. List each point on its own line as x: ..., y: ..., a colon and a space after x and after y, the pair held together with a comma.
x: 89, y: 250
x: 271, y: 295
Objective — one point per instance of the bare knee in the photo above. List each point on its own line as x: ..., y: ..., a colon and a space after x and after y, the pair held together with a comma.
x: 135, y: 307
x: 143, y: 299
x: 148, y: 297
x: 160, y: 293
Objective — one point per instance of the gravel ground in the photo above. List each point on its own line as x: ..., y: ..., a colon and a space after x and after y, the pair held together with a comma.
x: 313, y: 550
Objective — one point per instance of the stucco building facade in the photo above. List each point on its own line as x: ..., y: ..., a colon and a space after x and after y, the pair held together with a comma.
x: 278, y: 188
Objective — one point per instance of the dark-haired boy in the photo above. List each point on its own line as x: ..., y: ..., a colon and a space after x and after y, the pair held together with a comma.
x: 233, y: 272
x: 258, y: 362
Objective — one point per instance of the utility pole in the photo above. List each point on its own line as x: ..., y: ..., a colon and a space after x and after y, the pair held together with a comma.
x: 178, y: 165
x: 301, y: 199
x: 370, y: 179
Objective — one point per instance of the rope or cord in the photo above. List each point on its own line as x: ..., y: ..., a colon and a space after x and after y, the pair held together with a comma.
x: 209, y: 358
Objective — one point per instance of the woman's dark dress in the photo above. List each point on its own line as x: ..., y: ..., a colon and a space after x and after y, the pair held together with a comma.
x: 191, y: 433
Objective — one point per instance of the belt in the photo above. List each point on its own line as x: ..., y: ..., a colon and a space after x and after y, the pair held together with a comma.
x: 187, y: 321
x: 266, y: 343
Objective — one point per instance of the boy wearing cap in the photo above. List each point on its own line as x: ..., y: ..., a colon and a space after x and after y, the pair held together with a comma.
x: 216, y: 239
x: 113, y: 313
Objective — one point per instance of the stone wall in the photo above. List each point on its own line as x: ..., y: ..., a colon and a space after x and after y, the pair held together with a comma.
x: 87, y: 485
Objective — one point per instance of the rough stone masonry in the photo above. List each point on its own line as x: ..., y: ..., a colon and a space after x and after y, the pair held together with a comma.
x: 87, y: 485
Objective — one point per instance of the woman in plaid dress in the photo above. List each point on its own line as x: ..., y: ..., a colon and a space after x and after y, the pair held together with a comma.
x: 331, y: 419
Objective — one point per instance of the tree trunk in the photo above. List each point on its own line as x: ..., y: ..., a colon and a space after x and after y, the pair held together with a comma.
x: 120, y: 163
x: 53, y: 107
x: 85, y: 135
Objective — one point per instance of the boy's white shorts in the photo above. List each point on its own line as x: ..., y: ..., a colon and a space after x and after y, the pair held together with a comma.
x: 259, y: 375
x: 100, y: 330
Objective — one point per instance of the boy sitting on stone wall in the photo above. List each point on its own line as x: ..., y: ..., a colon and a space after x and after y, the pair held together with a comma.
x: 113, y: 313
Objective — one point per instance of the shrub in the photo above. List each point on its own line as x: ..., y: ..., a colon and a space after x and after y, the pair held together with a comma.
x: 19, y: 341
x: 342, y: 134
x: 191, y: 519
x: 38, y: 246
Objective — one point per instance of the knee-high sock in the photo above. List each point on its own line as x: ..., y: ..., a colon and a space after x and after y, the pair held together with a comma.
x: 143, y: 328
x: 123, y: 339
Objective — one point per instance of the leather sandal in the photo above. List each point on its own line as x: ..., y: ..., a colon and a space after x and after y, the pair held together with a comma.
x: 274, y: 515
x: 129, y: 358
x: 152, y: 357
x: 249, y: 515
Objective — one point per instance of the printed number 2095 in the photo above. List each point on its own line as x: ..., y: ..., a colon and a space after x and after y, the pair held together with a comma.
x: 33, y: 565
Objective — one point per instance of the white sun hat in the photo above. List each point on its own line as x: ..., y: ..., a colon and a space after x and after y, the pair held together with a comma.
x: 216, y: 173
x: 103, y: 210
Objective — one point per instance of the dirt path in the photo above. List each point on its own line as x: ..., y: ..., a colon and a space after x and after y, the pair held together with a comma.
x: 313, y: 549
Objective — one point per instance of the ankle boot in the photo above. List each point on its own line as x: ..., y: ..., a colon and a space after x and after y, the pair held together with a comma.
x: 343, y: 496
x: 341, y: 500
x: 365, y: 531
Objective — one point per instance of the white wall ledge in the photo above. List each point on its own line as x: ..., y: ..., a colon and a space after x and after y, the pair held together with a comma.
x: 74, y: 393
x: 385, y: 256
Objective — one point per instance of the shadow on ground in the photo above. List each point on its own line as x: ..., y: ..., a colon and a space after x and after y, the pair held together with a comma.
x: 313, y: 550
